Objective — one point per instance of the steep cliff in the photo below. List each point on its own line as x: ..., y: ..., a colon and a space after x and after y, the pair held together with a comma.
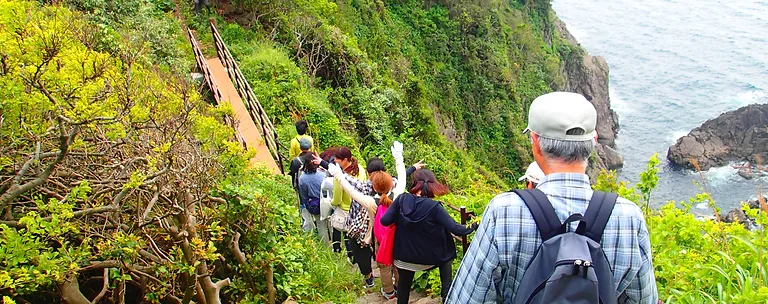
x: 739, y: 135
x: 457, y: 76
x: 588, y: 75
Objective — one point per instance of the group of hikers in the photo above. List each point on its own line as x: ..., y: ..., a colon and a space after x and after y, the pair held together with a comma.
x: 557, y: 241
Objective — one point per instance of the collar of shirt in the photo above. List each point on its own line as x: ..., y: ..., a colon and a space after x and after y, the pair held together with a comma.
x: 562, y: 180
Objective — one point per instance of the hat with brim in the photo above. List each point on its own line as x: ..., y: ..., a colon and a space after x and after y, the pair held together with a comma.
x: 562, y: 116
x: 533, y: 173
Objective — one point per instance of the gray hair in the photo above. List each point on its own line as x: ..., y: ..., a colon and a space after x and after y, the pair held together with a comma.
x: 567, y: 151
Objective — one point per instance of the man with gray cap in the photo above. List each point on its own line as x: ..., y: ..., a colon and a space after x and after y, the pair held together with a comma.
x: 562, y: 131
x: 296, y: 164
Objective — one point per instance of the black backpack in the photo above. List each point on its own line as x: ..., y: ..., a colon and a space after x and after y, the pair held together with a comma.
x: 568, y: 267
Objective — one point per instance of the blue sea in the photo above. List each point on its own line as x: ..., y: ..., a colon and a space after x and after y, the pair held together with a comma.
x: 675, y: 64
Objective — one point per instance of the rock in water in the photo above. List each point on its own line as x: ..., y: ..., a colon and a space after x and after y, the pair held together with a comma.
x: 733, y: 136
x: 736, y: 216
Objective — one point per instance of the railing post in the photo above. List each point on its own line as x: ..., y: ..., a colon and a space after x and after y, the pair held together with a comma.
x: 463, y: 214
x: 277, y: 151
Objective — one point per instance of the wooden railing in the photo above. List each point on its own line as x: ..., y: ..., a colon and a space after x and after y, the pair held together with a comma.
x: 255, y: 110
x: 464, y: 217
x: 202, y: 65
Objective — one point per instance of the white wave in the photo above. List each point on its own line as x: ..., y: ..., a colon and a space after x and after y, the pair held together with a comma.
x: 750, y: 97
x: 719, y: 176
x: 674, y: 136
x: 577, y: 33
x: 617, y: 103
x: 702, y: 206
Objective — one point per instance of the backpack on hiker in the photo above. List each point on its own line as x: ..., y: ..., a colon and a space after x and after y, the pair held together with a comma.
x: 357, y: 222
x: 299, y: 173
x: 568, y: 267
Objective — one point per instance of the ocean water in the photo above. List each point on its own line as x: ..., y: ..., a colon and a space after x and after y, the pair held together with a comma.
x: 674, y: 65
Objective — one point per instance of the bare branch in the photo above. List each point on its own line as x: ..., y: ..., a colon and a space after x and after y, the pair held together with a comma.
x: 16, y: 190
x: 150, y: 205
x: 79, y: 213
x: 104, y: 288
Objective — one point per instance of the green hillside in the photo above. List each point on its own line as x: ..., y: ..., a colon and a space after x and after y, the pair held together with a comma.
x: 121, y: 183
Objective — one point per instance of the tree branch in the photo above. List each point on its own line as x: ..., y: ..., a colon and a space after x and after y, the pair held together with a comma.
x: 103, y: 288
x: 85, y: 212
x: 16, y: 190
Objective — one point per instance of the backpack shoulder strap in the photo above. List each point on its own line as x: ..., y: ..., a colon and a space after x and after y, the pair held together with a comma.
x: 598, y: 213
x: 542, y: 211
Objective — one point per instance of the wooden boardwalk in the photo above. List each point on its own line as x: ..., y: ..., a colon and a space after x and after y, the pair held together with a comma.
x: 245, y: 125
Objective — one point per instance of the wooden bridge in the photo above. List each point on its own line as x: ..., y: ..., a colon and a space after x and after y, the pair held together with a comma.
x: 253, y: 128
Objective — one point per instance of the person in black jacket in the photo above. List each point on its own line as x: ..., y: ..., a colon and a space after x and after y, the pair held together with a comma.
x: 423, y: 238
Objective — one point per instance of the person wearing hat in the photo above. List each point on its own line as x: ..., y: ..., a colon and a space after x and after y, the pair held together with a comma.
x: 561, y: 127
x: 533, y: 176
x: 296, y: 170
x: 297, y: 162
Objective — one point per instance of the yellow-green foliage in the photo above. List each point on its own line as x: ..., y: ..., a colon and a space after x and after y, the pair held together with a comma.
x: 114, y: 167
x: 699, y: 260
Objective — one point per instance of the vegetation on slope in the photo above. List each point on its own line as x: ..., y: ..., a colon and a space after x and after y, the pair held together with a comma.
x: 120, y: 184
x: 402, y: 69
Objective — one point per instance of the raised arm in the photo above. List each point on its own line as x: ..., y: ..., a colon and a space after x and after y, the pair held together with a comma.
x: 367, y: 201
x: 397, y: 153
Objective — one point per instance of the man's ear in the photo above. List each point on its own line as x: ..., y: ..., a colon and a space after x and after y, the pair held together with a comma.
x: 535, y: 144
x: 595, y: 136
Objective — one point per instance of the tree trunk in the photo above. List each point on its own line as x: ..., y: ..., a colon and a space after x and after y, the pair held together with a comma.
x: 271, y: 291
x: 70, y: 291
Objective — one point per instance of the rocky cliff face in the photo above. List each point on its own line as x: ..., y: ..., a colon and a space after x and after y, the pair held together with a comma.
x: 588, y: 75
x: 739, y: 135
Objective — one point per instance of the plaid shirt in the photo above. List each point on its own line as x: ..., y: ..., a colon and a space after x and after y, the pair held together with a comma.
x: 507, y: 239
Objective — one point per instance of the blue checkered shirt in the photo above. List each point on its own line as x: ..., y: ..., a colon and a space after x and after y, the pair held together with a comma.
x: 507, y: 239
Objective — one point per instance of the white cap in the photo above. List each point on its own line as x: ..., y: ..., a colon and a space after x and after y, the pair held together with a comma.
x: 555, y: 114
x: 533, y: 173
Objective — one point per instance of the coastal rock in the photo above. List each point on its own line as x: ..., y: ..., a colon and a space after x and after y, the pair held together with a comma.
x: 610, y: 157
x: 736, y: 216
x: 739, y: 135
x: 588, y: 75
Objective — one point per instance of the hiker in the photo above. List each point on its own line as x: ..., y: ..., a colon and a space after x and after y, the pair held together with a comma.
x: 309, y: 192
x: 295, y: 169
x: 361, y: 227
x: 338, y: 219
x: 343, y: 158
x: 301, y: 129
x: 618, y: 257
x: 533, y: 176
x: 423, y: 231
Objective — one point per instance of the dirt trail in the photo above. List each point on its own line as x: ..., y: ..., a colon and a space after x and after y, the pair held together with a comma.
x: 373, y: 295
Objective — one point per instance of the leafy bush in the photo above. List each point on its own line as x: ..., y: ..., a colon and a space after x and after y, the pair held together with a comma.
x: 113, y: 173
x: 141, y: 26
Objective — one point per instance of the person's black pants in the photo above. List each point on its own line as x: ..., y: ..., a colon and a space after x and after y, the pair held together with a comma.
x: 362, y: 256
x: 406, y: 279
x: 336, y: 240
